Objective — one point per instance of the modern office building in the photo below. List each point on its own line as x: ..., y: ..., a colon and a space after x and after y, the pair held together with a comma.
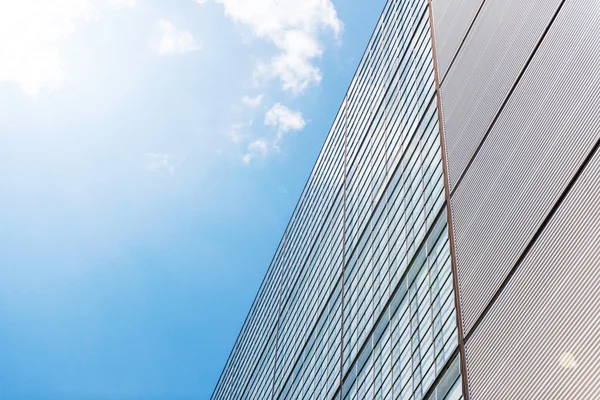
x: 445, y: 252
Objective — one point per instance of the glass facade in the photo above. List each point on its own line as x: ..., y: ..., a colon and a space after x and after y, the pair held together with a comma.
x: 358, y: 302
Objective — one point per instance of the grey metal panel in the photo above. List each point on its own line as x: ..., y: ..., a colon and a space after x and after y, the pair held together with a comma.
x: 452, y: 19
x: 541, y: 338
x: 545, y: 131
x: 503, y: 37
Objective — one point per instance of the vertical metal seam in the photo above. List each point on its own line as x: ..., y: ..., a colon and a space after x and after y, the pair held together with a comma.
x: 461, y: 342
x: 370, y: 227
x: 386, y: 196
x: 278, y: 323
x: 344, y: 197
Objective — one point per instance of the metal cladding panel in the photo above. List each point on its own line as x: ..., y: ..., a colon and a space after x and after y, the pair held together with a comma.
x: 503, y: 37
x: 541, y: 338
x: 547, y: 128
x: 452, y: 19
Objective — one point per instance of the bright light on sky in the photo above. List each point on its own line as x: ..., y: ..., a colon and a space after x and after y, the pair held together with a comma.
x: 151, y: 153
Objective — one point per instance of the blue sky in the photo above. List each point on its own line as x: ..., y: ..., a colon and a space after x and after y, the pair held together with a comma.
x: 151, y: 153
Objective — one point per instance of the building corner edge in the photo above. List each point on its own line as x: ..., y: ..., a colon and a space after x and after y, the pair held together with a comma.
x: 461, y: 341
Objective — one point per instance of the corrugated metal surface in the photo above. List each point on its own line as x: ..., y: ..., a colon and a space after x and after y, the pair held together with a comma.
x: 541, y: 339
x: 545, y: 131
x: 452, y: 19
x: 502, y: 39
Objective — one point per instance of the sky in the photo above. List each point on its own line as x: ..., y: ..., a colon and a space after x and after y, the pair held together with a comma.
x: 151, y: 154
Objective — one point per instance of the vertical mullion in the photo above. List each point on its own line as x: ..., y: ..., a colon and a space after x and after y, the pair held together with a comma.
x: 459, y: 326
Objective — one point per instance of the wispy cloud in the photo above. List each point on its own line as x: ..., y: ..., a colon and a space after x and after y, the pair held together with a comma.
x: 252, y: 102
x: 174, y: 40
x: 293, y: 27
x: 283, y: 120
x: 32, y: 33
x: 259, y: 147
x: 159, y: 162
x: 237, y: 132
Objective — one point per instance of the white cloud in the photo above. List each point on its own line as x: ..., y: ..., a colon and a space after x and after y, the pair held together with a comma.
x: 236, y: 133
x: 174, y: 40
x: 284, y: 119
x: 31, y: 35
x: 122, y: 3
x: 294, y: 66
x: 159, y: 162
x: 252, y: 102
x: 293, y: 26
x: 259, y: 147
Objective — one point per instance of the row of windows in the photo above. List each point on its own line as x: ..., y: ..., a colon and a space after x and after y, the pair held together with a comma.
x: 416, y: 333
x: 358, y: 299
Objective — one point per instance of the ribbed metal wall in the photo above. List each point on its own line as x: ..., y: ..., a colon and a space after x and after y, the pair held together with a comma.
x: 452, y: 19
x: 521, y: 106
x: 547, y: 127
x: 541, y: 340
x: 494, y: 53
